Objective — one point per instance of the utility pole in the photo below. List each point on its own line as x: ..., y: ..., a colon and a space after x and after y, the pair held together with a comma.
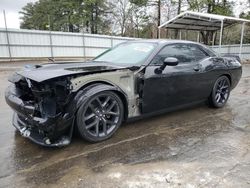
x: 7, y: 34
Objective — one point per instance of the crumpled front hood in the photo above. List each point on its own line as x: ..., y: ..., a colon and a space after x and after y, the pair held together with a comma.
x: 48, y: 71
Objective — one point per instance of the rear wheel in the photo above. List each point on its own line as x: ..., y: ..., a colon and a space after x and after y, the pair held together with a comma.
x: 220, y: 93
x: 100, y: 116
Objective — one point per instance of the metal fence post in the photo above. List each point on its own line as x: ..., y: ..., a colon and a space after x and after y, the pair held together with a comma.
x: 83, y: 45
x: 198, y: 36
x: 50, y: 39
x: 51, y: 45
x: 112, y: 42
x: 221, y: 33
x: 242, y: 37
x: 7, y: 35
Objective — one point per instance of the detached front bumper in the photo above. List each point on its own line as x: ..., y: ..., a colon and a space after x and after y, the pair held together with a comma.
x: 37, y: 138
x: 45, y: 131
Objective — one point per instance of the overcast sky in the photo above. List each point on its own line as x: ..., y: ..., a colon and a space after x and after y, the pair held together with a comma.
x: 12, y: 7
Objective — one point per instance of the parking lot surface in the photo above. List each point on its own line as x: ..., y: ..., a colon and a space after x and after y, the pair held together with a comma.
x: 194, y: 147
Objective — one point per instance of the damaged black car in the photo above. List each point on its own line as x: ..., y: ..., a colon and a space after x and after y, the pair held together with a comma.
x: 133, y: 79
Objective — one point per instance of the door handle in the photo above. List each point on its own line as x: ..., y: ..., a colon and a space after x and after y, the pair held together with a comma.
x: 197, y: 68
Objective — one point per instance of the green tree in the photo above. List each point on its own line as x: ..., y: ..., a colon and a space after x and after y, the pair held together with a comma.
x: 221, y: 7
x: 95, y: 15
x: 246, y: 15
x: 140, y: 20
x: 64, y: 15
x: 121, y: 14
x: 150, y: 3
x: 128, y: 18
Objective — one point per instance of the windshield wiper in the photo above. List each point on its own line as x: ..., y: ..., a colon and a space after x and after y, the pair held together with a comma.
x: 133, y: 68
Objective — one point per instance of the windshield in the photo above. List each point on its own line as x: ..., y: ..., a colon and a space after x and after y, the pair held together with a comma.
x: 131, y: 53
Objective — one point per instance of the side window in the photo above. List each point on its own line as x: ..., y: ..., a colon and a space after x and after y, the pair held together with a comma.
x: 185, y: 53
x: 198, y: 53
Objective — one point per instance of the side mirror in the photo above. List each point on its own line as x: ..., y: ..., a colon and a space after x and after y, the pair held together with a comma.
x: 169, y: 61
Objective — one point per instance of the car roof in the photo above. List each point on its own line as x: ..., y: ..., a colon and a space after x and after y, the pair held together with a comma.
x: 165, y: 41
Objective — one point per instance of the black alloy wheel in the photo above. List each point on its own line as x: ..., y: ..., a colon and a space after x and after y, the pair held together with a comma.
x: 220, y: 93
x: 100, y: 116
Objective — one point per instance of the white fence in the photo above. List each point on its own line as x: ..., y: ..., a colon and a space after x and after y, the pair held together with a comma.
x: 234, y: 50
x: 21, y: 43
x: 16, y: 43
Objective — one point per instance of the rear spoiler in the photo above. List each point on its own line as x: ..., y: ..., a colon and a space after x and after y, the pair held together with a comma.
x: 233, y: 56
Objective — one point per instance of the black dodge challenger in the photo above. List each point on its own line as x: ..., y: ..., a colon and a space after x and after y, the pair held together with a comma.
x: 133, y: 79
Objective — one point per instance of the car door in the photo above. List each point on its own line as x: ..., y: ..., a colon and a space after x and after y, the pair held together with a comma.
x: 176, y: 85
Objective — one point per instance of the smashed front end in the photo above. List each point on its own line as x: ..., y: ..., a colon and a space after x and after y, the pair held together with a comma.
x: 41, y: 110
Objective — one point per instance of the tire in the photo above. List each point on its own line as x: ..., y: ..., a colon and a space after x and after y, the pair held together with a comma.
x: 220, y: 93
x: 99, y: 117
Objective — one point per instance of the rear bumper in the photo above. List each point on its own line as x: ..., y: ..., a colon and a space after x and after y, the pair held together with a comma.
x: 236, y: 75
x: 45, y: 131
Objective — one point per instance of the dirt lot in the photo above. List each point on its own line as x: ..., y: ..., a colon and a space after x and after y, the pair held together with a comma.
x: 195, y: 147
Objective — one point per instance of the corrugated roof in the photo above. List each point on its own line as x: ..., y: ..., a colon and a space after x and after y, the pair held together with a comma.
x: 201, y: 21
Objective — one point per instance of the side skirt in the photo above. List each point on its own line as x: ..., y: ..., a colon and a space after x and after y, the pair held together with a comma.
x: 167, y: 110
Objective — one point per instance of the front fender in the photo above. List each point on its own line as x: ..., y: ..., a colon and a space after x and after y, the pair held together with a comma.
x: 120, y: 81
x: 83, y: 94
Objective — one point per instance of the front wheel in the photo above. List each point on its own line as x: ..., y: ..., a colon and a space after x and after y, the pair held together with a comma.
x: 220, y: 93
x: 100, y: 116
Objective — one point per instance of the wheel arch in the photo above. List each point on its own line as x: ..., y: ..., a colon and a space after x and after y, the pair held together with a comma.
x: 91, y: 88
x: 225, y: 74
x: 228, y: 76
x: 211, y: 99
